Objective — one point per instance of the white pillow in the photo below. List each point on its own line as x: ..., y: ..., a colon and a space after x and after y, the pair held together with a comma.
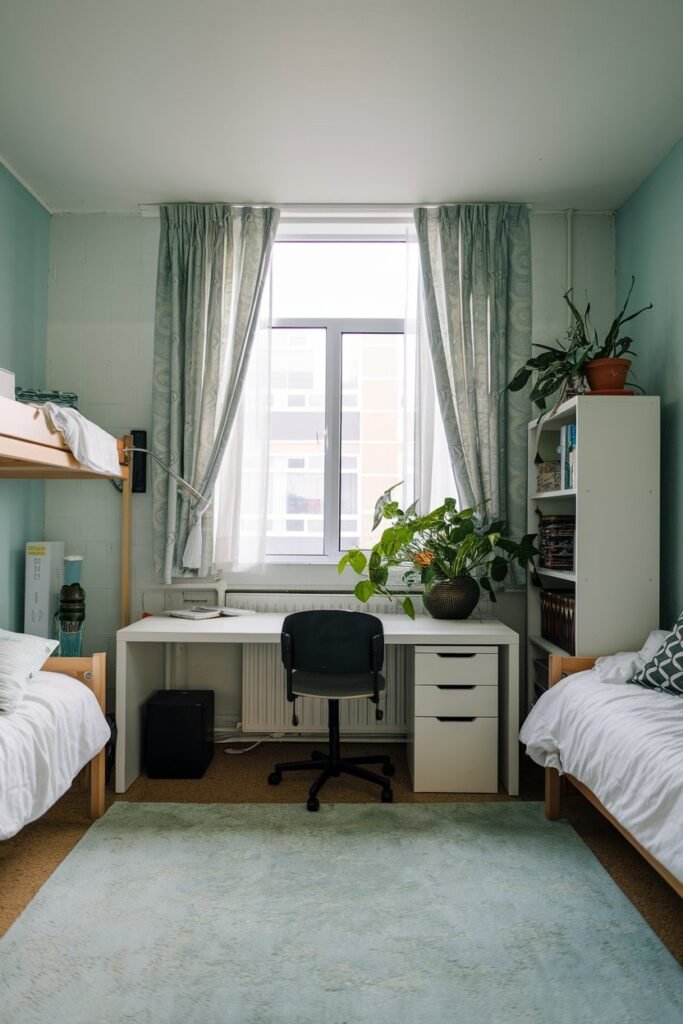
x: 620, y: 668
x: 21, y: 655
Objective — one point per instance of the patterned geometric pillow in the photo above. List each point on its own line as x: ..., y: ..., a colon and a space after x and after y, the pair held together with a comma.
x: 665, y: 671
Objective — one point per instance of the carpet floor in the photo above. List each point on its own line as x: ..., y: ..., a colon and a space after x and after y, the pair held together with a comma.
x: 360, y: 914
x: 28, y: 859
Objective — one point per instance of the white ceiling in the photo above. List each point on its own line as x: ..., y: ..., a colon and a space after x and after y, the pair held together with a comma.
x: 105, y: 104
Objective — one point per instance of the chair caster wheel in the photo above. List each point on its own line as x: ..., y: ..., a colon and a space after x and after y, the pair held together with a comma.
x: 388, y: 769
x: 313, y: 804
x: 275, y: 778
x: 387, y: 796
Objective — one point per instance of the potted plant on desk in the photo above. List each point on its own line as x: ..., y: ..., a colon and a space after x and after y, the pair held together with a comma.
x: 452, y: 553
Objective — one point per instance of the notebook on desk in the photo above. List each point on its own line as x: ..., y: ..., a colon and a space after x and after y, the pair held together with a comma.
x: 202, y: 611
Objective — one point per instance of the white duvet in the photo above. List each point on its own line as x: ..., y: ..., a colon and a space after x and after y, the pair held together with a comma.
x: 622, y: 741
x: 44, y: 743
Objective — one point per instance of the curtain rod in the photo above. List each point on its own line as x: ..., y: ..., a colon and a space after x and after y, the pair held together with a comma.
x: 384, y: 210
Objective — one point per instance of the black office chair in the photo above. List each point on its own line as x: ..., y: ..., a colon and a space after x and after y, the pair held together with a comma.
x: 336, y: 655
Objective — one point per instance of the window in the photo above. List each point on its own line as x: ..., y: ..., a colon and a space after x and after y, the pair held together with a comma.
x: 341, y: 414
x: 340, y: 375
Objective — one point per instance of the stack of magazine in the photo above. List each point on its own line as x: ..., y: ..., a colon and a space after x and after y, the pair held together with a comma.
x: 557, y: 618
x: 556, y: 542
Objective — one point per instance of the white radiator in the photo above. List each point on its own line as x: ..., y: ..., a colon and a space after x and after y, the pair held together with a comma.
x: 264, y: 702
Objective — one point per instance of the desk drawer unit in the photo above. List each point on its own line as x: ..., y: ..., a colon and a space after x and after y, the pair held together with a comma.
x: 453, y: 720
x: 456, y: 665
x: 459, y: 699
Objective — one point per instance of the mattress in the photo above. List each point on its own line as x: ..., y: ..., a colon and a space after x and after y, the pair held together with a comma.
x: 625, y: 743
x: 55, y: 731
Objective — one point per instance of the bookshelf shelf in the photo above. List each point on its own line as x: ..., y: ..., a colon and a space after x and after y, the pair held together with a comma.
x: 570, y: 492
x: 610, y: 601
x: 557, y: 574
x: 565, y: 413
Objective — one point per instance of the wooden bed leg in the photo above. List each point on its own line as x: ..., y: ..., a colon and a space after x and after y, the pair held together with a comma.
x: 97, y: 765
x: 552, y: 794
x: 97, y: 786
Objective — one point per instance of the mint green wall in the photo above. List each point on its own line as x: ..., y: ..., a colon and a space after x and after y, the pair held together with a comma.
x: 24, y: 228
x: 649, y: 240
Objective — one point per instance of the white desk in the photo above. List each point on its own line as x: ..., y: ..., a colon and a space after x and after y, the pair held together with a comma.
x: 139, y: 669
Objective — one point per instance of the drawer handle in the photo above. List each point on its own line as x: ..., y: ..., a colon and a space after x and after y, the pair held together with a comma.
x: 455, y: 654
x: 455, y: 686
x: 454, y: 718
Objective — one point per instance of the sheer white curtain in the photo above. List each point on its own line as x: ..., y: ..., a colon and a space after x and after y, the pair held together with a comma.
x: 242, y: 488
x: 433, y: 471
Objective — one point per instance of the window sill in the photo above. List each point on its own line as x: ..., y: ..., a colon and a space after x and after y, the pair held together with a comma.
x: 304, y: 577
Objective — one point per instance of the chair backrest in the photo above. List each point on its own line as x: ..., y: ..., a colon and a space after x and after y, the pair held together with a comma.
x: 333, y: 642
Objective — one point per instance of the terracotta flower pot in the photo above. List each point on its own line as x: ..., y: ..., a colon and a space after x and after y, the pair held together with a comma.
x: 452, y: 599
x: 607, y: 374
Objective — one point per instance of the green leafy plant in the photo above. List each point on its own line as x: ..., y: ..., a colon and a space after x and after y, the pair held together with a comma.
x: 557, y: 367
x: 614, y: 346
x: 441, y: 545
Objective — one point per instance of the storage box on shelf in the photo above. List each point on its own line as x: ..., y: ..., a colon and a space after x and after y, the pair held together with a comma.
x: 598, y: 531
x: 548, y: 476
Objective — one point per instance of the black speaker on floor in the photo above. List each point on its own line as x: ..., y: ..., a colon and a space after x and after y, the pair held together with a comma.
x: 178, y: 734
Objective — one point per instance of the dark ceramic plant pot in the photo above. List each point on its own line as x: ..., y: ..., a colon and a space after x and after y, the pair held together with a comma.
x: 452, y: 599
x: 607, y: 374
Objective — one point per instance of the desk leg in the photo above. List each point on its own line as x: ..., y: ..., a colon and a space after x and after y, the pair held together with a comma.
x: 139, y: 674
x: 509, y: 722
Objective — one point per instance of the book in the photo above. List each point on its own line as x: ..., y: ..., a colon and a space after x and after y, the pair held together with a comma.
x: 557, y: 618
x: 570, y: 457
x: 195, y: 613
x: 207, y: 611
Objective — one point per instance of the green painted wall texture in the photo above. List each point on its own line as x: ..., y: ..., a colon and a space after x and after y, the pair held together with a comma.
x: 24, y: 231
x: 649, y: 240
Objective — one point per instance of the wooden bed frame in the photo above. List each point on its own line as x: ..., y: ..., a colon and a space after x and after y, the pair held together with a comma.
x: 560, y: 667
x: 31, y: 450
x: 92, y: 672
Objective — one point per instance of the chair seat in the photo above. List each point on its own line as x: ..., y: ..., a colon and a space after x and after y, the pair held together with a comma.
x: 343, y: 687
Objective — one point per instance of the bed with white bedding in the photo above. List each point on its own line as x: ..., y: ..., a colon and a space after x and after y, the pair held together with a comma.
x: 624, y: 744
x: 56, y: 730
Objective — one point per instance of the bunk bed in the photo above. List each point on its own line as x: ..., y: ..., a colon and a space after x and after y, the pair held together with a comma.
x: 31, y: 450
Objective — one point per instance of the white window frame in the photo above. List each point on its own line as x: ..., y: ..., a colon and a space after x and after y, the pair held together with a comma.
x: 335, y: 328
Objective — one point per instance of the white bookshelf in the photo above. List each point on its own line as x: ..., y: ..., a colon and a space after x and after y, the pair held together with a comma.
x: 615, y: 499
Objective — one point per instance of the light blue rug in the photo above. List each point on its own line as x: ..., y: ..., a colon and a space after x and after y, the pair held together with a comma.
x: 361, y: 914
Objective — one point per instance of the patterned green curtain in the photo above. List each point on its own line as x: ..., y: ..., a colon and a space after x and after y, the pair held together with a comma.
x: 476, y: 273
x: 213, y: 261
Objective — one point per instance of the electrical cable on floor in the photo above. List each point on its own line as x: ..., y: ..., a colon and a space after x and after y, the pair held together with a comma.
x: 245, y: 750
